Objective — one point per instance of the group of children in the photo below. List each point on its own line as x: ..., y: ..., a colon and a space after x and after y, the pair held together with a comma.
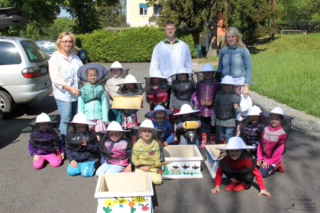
x: 171, y: 109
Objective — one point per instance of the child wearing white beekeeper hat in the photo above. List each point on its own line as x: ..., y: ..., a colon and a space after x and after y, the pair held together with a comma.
x: 239, y: 166
x: 225, y: 109
x: 45, y: 143
x: 252, y: 132
x: 272, y: 143
x: 187, y: 114
x: 115, y: 151
x: 81, y: 144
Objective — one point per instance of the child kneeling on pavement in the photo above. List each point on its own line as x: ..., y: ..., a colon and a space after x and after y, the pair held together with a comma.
x: 81, y: 144
x: 239, y: 166
x: 45, y: 143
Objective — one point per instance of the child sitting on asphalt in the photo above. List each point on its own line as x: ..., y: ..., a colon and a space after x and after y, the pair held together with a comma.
x: 130, y: 87
x: 117, y: 74
x: 239, y: 166
x: 203, y: 98
x: 225, y: 109
x: 272, y: 143
x: 157, y: 90
x: 146, y: 152
x: 115, y: 151
x: 81, y: 144
x: 45, y: 143
x: 93, y: 101
x: 252, y: 131
x: 188, y: 114
x: 159, y: 114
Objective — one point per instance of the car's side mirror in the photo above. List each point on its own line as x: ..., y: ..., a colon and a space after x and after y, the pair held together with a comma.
x: 83, y: 56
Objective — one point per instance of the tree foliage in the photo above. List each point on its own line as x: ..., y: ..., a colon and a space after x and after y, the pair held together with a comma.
x: 43, y: 13
x: 248, y: 15
x: 112, y: 16
x: 86, y: 13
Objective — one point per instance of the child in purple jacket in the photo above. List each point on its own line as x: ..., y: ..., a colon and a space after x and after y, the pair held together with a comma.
x: 203, y: 98
x: 45, y: 143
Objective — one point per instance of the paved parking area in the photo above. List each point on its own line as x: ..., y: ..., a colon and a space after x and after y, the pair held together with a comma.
x: 23, y: 189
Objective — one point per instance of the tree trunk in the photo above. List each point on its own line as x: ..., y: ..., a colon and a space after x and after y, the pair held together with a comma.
x: 213, y: 47
x: 81, y: 17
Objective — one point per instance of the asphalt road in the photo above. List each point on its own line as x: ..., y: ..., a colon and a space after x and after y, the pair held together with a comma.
x: 24, y: 189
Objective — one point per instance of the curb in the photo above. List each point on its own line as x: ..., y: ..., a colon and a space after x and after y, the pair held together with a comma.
x: 302, y: 122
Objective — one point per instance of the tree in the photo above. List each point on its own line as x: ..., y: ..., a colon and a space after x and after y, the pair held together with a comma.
x: 247, y: 15
x: 86, y: 13
x: 112, y: 16
x: 43, y: 13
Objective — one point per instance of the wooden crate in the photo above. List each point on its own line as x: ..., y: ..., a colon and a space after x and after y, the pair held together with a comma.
x: 211, y: 162
x: 186, y: 162
x: 124, y: 193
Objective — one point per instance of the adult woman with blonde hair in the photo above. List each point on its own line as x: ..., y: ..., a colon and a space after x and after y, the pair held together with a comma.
x: 63, y: 67
x: 234, y: 58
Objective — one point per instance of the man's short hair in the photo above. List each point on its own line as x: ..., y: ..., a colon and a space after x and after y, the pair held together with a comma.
x: 169, y: 23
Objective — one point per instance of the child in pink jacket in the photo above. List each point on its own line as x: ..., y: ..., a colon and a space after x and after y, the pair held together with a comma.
x: 272, y: 144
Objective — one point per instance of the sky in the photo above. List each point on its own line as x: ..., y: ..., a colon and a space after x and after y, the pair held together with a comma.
x: 63, y: 13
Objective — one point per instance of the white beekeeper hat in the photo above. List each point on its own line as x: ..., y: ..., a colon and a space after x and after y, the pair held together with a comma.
x: 147, y: 123
x: 115, y: 126
x: 277, y: 111
x: 81, y: 118
x: 130, y: 79
x: 186, y: 109
x: 116, y: 65
x: 43, y: 118
x: 254, y: 111
x: 158, y: 108
x: 227, y: 80
x: 156, y: 74
x: 236, y: 143
x: 182, y: 70
x: 207, y: 68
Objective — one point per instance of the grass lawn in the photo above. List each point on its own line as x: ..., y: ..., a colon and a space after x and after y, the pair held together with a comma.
x: 287, y: 70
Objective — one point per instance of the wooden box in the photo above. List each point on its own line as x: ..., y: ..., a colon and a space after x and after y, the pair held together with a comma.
x: 186, y: 162
x: 124, y: 193
x: 211, y: 162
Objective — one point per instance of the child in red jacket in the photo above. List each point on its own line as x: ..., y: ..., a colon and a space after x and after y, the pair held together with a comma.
x: 239, y: 166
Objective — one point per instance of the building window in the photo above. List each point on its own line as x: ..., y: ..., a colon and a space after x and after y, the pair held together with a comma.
x: 156, y: 9
x: 143, y: 9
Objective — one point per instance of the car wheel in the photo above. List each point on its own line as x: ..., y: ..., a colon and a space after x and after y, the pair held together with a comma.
x: 5, y: 103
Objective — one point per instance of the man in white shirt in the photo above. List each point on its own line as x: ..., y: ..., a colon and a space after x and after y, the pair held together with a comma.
x: 171, y: 53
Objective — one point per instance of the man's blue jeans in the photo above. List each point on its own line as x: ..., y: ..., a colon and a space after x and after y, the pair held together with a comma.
x: 67, y: 110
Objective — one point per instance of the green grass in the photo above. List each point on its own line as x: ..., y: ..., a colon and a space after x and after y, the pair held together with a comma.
x: 287, y: 70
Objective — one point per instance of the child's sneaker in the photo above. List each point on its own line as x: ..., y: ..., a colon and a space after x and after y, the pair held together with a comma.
x: 241, y: 187
x: 280, y: 168
x: 231, y: 186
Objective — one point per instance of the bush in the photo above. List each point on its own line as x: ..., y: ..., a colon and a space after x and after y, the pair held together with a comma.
x: 128, y: 45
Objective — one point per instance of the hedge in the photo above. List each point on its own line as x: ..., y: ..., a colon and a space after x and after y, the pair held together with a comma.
x: 128, y: 45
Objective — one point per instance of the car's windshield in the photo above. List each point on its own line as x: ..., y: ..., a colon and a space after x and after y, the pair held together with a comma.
x: 47, y: 47
x: 33, y: 51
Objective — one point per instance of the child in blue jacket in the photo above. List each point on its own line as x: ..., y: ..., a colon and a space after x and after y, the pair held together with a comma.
x: 93, y: 101
x: 81, y: 144
x: 159, y: 114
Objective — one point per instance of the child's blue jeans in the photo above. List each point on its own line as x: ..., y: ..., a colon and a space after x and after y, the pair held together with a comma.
x: 225, y: 132
x: 109, y: 168
x: 86, y: 169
